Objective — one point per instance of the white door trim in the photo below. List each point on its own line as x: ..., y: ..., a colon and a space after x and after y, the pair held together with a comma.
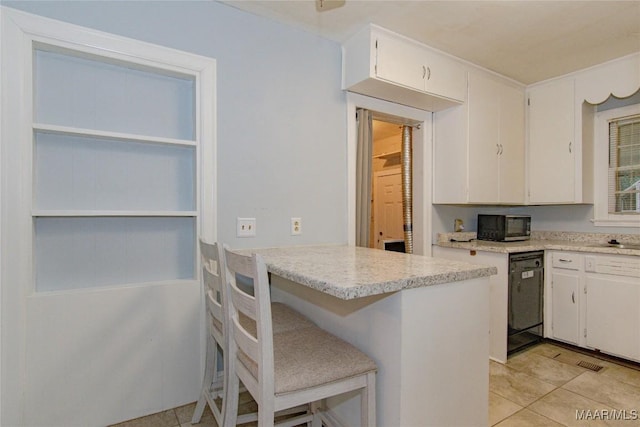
x: 422, y: 161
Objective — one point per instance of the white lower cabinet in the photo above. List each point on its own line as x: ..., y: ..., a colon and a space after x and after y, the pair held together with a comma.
x: 499, y: 293
x: 594, y: 302
x: 613, y: 315
x: 565, y: 294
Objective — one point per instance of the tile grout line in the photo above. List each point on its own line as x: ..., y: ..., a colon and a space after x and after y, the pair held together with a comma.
x: 580, y: 393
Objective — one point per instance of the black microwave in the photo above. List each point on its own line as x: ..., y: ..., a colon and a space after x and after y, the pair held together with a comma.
x: 504, y: 228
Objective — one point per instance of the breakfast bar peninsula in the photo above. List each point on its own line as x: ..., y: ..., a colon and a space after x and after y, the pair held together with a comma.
x: 424, y: 320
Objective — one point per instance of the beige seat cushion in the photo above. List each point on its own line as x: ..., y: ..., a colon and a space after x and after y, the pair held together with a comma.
x: 283, y: 319
x: 310, y: 357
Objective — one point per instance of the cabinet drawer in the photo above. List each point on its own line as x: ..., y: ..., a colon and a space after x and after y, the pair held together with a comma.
x: 567, y: 261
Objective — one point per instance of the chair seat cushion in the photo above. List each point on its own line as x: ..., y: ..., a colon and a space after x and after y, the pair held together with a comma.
x: 283, y: 319
x: 309, y: 357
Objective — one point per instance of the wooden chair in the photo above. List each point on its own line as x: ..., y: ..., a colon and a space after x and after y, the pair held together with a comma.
x: 214, y: 383
x: 289, y: 368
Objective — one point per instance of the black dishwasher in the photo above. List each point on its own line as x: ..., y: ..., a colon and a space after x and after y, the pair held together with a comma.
x: 526, y: 286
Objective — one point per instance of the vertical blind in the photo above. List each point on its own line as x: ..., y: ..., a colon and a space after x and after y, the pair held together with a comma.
x: 624, y: 165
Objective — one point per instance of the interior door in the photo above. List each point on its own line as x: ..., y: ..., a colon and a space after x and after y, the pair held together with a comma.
x: 387, y: 204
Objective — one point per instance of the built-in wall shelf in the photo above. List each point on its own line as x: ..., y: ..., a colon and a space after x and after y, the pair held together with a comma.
x: 100, y: 213
x: 115, y: 163
x: 387, y: 155
x: 112, y: 136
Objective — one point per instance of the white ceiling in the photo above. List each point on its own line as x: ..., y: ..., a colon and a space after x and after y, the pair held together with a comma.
x: 528, y: 41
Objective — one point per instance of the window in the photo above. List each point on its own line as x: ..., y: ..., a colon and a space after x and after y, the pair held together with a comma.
x: 624, y: 165
x: 617, y: 167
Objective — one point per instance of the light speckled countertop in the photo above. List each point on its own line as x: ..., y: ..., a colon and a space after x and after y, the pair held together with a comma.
x: 545, y: 240
x: 349, y: 272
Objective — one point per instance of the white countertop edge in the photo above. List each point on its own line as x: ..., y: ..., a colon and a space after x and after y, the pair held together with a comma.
x: 282, y: 262
x: 361, y: 291
x: 536, y: 245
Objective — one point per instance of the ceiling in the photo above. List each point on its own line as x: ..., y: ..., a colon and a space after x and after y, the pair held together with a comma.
x: 528, y: 41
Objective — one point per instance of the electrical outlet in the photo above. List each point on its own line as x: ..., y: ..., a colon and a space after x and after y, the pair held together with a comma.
x: 246, y: 227
x: 296, y: 226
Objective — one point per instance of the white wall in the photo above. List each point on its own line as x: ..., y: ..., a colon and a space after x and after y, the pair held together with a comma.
x: 281, y: 112
x: 543, y: 218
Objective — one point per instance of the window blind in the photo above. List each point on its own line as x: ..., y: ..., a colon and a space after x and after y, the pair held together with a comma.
x: 624, y: 165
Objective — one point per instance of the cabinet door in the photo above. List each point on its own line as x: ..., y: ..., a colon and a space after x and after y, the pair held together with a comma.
x: 565, y: 287
x: 444, y: 77
x: 512, y: 145
x: 551, y: 143
x: 613, y: 315
x: 484, y: 140
x: 400, y: 61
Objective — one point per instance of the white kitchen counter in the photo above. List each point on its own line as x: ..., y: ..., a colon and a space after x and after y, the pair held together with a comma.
x: 349, y: 272
x: 425, y: 321
x: 559, y: 241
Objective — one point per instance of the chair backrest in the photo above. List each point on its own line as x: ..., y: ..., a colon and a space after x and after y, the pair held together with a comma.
x: 213, y: 280
x: 242, y: 344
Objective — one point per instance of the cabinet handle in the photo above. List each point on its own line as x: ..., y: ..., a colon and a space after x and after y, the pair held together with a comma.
x: 428, y: 73
x: 564, y: 260
x: 570, y: 147
x: 573, y: 297
x: 501, y: 149
x: 424, y: 71
x: 497, y: 148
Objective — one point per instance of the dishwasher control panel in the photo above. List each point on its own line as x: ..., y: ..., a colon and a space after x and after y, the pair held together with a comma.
x: 616, y: 265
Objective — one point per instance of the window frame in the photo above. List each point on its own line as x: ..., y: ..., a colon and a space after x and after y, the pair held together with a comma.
x: 602, y: 217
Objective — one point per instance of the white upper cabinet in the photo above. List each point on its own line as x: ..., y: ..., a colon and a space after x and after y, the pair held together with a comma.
x: 552, y: 145
x: 385, y: 65
x: 444, y: 76
x: 479, y: 147
x: 400, y: 61
x: 561, y: 129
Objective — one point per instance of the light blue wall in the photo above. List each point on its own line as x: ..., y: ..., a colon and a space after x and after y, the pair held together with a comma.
x: 281, y: 116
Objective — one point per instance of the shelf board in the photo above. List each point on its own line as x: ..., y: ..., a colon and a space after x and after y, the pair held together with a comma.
x: 101, y: 213
x: 387, y: 155
x: 113, y: 136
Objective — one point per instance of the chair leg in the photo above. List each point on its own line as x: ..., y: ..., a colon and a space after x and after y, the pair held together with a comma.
x: 368, y: 402
x: 316, y: 408
x: 266, y: 412
x: 210, y: 369
x: 230, y: 400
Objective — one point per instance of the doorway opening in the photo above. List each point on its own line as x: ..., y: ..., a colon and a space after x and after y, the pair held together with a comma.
x: 420, y: 122
x: 384, y: 193
x: 386, y: 229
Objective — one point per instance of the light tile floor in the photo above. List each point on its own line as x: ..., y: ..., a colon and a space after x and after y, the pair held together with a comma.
x: 542, y: 386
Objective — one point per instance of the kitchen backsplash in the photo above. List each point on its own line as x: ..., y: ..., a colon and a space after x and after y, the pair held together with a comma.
x: 554, y: 235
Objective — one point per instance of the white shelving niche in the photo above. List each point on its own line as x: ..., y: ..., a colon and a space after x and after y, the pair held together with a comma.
x: 108, y: 179
x: 115, y: 157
